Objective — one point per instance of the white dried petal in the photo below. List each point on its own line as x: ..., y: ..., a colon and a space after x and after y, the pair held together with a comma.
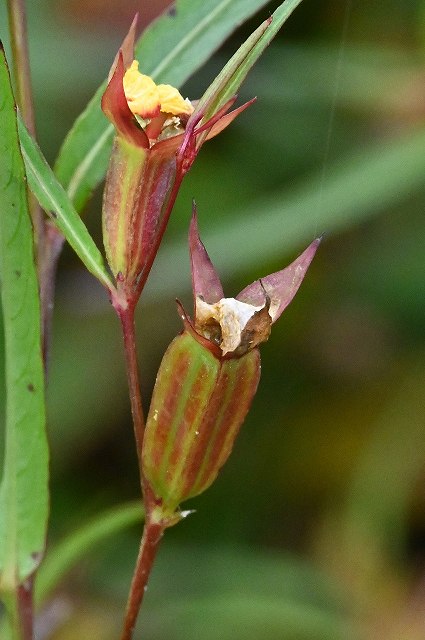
x: 232, y: 316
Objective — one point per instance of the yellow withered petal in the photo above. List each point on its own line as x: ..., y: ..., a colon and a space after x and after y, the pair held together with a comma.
x: 173, y: 102
x: 141, y: 92
x: 146, y: 99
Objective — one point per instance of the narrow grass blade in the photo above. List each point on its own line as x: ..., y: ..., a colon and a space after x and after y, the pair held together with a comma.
x: 24, y: 485
x: 236, y: 615
x: 66, y: 554
x: 235, y: 71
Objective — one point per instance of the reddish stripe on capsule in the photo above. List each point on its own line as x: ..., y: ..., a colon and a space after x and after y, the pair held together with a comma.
x: 232, y: 416
x: 164, y: 416
x: 190, y: 417
x: 206, y: 429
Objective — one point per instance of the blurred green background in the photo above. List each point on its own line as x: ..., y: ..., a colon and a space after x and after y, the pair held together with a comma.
x: 315, y: 529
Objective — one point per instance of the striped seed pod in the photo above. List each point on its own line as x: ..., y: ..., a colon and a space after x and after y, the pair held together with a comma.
x: 209, y: 376
x: 198, y: 405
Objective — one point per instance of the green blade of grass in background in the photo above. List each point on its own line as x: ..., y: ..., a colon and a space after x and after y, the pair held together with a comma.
x: 69, y: 552
x: 230, y: 78
x: 24, y: 485
x: 55, y: 201
x: 235, y: 615
x: 170, y: 51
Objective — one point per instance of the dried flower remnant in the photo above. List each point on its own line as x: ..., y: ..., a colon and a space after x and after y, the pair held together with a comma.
x: 158, y: 136
x: 147, y: 99
x: 209, y: 376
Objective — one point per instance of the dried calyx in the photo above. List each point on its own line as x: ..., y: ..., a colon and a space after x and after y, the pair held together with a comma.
x: 231, y: 327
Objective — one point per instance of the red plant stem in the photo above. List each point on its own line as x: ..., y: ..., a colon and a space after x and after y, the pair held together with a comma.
x: 153, y: 529
x: 25, y: 608
x: 126, y: 316
x: 152, y: 534
x: 53, y: 243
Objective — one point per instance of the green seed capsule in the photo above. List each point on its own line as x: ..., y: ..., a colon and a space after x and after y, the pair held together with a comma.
x: 198, y: 405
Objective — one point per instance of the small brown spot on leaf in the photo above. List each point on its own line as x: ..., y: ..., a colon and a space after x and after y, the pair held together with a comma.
x: 31, y: 387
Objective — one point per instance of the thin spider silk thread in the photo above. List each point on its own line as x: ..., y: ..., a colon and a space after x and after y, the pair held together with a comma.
x: 332, y: 112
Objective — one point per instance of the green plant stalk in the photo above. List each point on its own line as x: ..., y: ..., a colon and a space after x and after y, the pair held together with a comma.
x: 24, y: 99
x: 21, y: 66
x: 48, y: 240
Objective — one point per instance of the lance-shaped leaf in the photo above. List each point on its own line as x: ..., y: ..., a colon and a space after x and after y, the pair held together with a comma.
x: 170, y: 50
x: 55, y: 201
x: 229, y: 80
x: 24, y: 488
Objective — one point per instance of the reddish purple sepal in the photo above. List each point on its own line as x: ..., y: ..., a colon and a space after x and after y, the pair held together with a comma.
x: 281, y: 286
x: 205, y: 280
x: 276, y: 290
x: 127, y: 47
x: 116, y: 109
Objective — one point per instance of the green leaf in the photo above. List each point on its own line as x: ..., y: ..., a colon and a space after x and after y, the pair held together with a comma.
x: 65, y: 556
x: 235, y: 71
x: 170, y: 51
x: 55, y: 201
x: 24, y: 485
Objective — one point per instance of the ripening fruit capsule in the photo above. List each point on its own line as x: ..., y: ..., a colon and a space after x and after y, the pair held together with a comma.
x: 209, y: 376
x: 198, y: 405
